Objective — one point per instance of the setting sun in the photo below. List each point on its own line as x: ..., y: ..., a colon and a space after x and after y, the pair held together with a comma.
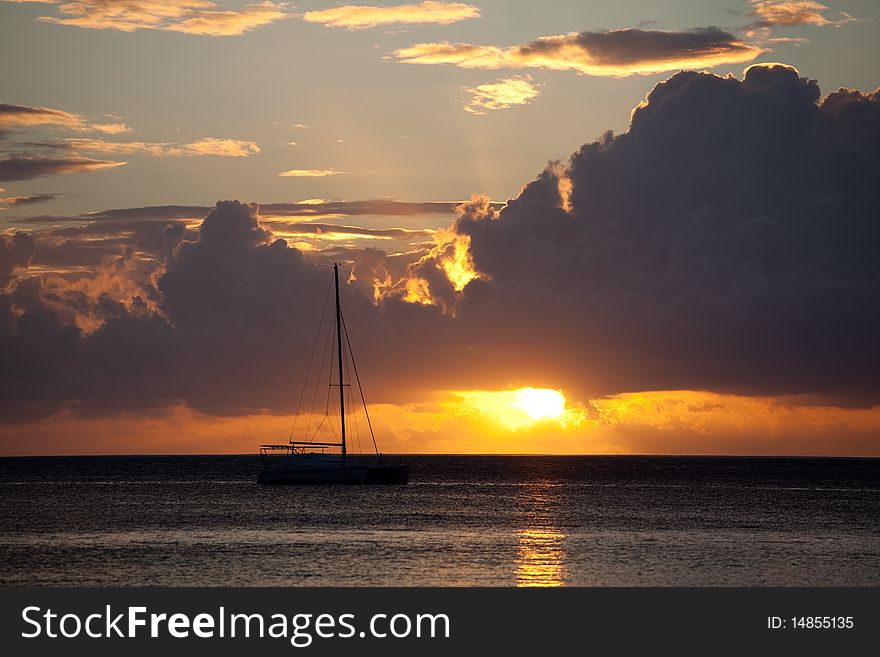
x: 539, y: 403
x: 516, y: 409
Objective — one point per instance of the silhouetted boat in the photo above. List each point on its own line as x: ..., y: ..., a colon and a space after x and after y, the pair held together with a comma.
x: 309, y: 461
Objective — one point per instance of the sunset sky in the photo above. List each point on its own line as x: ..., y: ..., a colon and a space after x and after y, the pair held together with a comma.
x: 664, y: 211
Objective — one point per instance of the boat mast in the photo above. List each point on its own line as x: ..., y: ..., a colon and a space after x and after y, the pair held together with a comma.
x: 339, y: 351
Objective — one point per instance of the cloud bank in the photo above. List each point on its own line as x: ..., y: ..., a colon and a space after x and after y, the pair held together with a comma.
x: 725, y: 243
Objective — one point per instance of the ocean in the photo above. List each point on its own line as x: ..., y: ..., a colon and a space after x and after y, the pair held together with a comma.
x: 462, y: 521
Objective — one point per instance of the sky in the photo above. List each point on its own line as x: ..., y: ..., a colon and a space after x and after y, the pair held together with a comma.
x: 662, y: 211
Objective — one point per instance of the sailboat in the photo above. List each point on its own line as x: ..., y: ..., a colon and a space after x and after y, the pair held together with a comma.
x: 312, y: 462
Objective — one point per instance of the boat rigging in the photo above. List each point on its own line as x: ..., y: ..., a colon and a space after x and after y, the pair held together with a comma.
x: 308, y: 461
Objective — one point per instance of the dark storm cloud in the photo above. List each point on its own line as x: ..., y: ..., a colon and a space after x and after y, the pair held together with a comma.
x: 222, y: 326
x: 25, y: 168
x: 728, y: 241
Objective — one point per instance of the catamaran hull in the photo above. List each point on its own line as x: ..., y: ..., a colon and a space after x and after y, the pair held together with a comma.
x: 388, y: 474
x: 347, y: 475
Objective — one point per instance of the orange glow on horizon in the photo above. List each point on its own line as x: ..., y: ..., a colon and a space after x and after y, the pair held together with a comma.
x: 488, y: 422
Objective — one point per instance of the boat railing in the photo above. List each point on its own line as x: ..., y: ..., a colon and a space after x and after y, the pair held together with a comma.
x: 270, y: 453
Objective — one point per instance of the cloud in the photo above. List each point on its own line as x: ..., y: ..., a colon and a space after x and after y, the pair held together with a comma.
x: 358, y: 17
x: 207, y: 146
x: 111, y: 128
x: 16, y: 201
x: 229, y: 286
x: 150, y: 213
x: 26, y: 168
x: 380, y: 207
x: 197, y: 17
x: 720, y: 244
x: 501, y: 95
x: 17, y: 117
x: 309, y: 173
x: 786, y: 13
x: 387, y: 207
x: 311, y: 228
x: 22, y: 116
x: 16, y: 251
x: 612, y: 53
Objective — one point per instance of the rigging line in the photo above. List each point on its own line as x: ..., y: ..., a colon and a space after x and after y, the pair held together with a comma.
x: 360, y: 387
x: 331, y: 424
x: 330, y: 334
x: 318, y: 428
x: 330, y: 340
x: 302, y: 391
x: 351, y: 409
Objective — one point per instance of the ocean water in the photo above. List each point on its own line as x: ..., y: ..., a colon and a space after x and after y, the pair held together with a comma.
x: 462, y: 521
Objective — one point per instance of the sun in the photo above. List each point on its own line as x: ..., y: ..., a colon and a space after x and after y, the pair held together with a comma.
x: 540, y: 403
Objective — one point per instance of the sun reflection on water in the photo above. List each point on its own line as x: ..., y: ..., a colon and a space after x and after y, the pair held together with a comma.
x: 540, y: 558
x: 540, y: 549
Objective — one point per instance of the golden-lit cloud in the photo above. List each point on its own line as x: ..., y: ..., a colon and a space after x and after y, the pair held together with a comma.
x: 517, y: 90
x: 230, y: 23
x: 20, y: 117
x: 23, y: 116
x: 437, y: 277
x: 118, y: 128
x: 283, y: 228
x: 197, y: 17
x: 207, y: 146
x: 309, y: 173
x: 18, y: 201
x: 358, y: 17
x: 613, y: 53
x: 790, y: 12
x: 439, y: 274
x: 219, y: 147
